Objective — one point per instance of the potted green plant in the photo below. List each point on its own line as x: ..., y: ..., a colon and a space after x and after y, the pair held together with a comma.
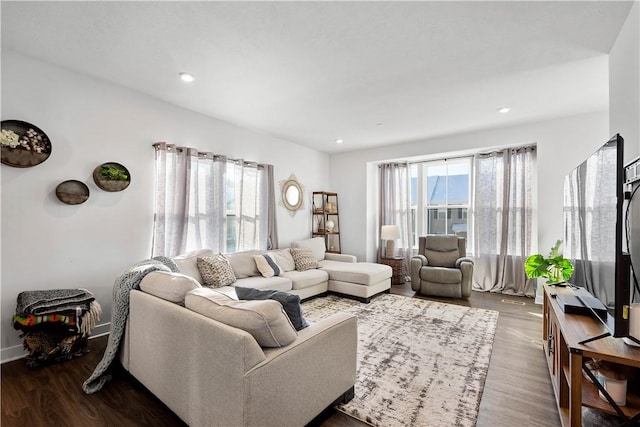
x: 556, y: 268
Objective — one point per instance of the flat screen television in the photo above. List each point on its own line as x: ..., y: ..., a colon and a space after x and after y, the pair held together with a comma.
x: 593, y: 232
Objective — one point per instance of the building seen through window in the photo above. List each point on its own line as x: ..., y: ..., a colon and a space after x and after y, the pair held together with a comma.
x: 440, y: 197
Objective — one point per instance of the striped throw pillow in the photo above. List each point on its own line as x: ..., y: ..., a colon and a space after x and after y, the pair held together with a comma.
x: 267, y: 265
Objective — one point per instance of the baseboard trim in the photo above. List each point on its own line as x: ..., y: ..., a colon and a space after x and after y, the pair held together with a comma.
x: 16, y: 352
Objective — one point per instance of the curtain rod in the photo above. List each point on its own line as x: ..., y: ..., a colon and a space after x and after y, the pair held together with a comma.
x: 479, y: 153
x: 205, y: 154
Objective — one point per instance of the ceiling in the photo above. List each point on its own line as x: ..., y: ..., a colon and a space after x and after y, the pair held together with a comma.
x: 370, y: 73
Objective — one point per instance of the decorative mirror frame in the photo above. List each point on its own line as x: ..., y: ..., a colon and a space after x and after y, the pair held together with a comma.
x: 285, y: 185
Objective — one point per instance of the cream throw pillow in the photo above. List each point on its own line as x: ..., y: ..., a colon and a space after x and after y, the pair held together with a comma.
x: 267, y: 265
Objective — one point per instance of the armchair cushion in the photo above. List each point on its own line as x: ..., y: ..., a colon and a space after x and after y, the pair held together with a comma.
x: 442, y: 259
x: 442, y: 250
x: 441, y: 275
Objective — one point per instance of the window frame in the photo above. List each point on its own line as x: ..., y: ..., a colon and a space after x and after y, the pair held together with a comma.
x: 420, y: 211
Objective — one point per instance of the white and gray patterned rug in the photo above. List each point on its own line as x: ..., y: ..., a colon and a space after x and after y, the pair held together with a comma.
x: 420, y: 363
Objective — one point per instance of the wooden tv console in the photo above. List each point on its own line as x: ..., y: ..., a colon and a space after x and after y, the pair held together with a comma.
x: 562, y: 334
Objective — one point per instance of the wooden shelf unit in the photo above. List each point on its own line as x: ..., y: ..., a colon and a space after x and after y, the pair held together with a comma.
x: 325, y: 209
x: 562, y: 334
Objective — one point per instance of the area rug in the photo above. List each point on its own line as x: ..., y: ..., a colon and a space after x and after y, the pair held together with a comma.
x: 420, y: 362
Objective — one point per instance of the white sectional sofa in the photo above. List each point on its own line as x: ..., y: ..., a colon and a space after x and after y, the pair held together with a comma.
x: 217, y: 361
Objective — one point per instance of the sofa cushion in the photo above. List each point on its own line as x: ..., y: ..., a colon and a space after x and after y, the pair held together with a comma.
x: 283, y: 258
x: 306, y: 279
x: 316, y: 244
x: 265, y: 320
x: 290, y: 303
x: 275, y: 283
x: 304, y: 259
x: 168, y: 286
x: 216, y: 271
x: 187, y: 263
x: 267, y: 266
x: 243, y: 264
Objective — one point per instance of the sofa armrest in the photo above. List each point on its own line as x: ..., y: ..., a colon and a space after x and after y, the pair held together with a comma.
x: 308, y: 375
x: 340, y: 257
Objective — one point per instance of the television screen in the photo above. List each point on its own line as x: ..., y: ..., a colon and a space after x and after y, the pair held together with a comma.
x: 593, y: 224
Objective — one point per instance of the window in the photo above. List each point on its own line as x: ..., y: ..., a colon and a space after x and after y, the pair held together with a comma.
x: 440, y: 197
x: 205, y: 200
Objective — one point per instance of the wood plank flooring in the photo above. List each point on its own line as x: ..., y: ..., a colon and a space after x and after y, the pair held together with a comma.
x: 517, y: 391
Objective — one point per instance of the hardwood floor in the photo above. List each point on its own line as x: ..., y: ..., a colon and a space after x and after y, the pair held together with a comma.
x: 517, y: 392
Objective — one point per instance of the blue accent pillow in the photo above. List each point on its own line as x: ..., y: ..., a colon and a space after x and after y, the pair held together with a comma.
x: 290, y: 303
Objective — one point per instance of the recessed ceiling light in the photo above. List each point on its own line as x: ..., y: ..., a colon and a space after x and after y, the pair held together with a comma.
x: 186, y: 77
x: 339, y: 141
x: 504, y: 110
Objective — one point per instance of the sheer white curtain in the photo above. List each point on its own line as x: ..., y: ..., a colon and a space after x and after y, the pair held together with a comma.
x: 189, y: 201
x: 249, y: 200
x: 503, y: 213
x: 395, y: 206
x: 203, y: 200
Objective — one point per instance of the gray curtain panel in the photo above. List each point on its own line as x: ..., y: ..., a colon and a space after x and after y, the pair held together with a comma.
x: 503, y: 220
x: 395, y: 207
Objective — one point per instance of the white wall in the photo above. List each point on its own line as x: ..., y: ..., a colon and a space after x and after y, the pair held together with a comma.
x: 47, y: 244
x: 562, y: 145
x: 624, y: 105
x: 624, y: 84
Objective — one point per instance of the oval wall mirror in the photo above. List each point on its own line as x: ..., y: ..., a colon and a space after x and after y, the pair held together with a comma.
x: 292, y: 196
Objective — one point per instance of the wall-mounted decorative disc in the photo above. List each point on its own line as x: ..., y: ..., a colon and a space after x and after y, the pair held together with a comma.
x: 111, y: 177
x: 72, y: 192
x: 23, y: 144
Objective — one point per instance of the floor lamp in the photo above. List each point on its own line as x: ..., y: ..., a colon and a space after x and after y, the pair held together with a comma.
x: 390, y: 233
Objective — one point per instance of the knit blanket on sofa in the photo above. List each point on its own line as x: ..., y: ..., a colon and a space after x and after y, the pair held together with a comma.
x: 129, y: 279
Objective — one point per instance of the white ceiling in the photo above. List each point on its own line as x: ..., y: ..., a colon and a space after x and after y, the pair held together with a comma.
x: 312, y: 72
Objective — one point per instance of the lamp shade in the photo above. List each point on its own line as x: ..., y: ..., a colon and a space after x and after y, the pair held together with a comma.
x: 390, y: 232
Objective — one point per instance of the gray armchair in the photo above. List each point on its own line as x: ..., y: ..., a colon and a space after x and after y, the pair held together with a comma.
x: 441, y: 267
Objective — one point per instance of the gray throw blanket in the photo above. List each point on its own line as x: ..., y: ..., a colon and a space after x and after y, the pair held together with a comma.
x: 53, y: 301
x: 128, y: 280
